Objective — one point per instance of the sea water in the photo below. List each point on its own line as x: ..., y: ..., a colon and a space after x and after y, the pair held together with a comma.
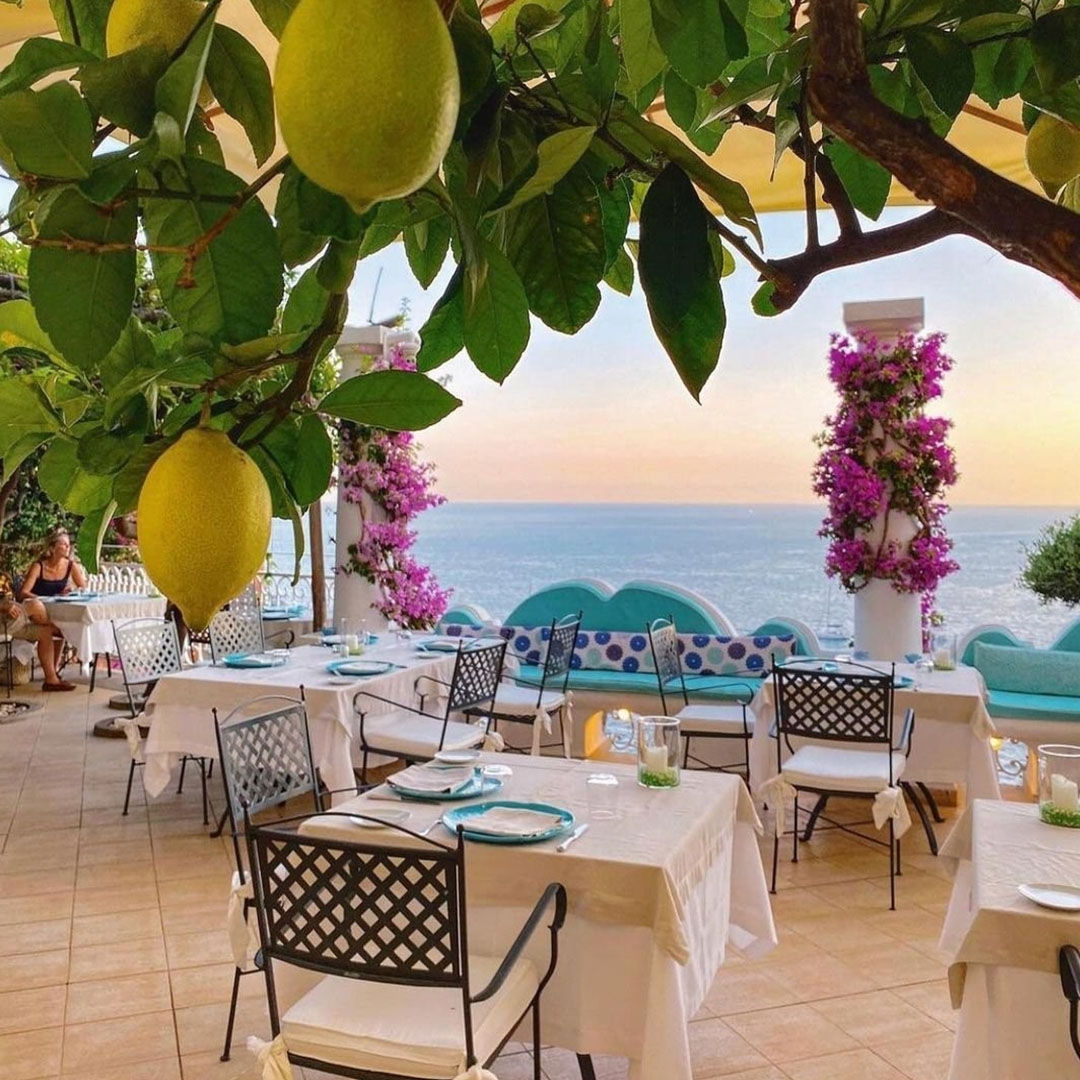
x: 751, y: 561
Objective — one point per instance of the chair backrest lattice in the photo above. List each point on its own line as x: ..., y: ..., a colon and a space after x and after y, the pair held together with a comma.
x: 664, y: 642
x: 477, y: 671
x: 236, y: 632
x: 384, y: 913
x: 148, y: 649
x: 850, y: 704
x: 561, y: 645
x: 266, y: 759
x: 247, y: 603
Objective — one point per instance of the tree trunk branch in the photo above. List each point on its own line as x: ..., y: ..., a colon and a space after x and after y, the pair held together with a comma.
x: 1021, y: 225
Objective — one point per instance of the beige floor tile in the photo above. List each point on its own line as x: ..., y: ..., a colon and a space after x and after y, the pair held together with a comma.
x: 162, y: 1069
x: 212, y: 983
x: 29, y: 1010
x: 931, y: 998
x: 106, y: 900
x: 29, y: 1055
x: 118, y: 1041
x: 744, y: 989
x: 136, y: 850
x: 850, y: 1065
x: 188, y: 891
x: 201, y: 1028
x: 126, y: 829
x: 89, y: 962
x: 206, y: 1066
x: 212, y: 862
x: 29, y: 971
x: 194, y: 918
x: 195, y: 950
x: 817, y: 976
x: 30, y: 862
x: 562, y: 1065
x: 766, y: 1072
x: 791, y: 1032
x: 839, y: 929
x: 877, y: 1016
x: 115, y: 875
x: 36, y: 883
x: 24, y: 909
x: 129, y: 995
x: 112, y: 927
x: 920, y: 1059
x: 717, y: 1050
x: 895, y: 964
x: 35, y: 937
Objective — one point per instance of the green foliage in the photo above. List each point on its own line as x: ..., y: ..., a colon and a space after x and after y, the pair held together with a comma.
x: 160, y: 285
x: 1052, y: 571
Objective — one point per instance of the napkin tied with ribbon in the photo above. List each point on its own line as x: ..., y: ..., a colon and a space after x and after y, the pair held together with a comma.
x: 890, y: 803
x: 242, y: 936
x: 130, y: 727
x: 272, y: 1056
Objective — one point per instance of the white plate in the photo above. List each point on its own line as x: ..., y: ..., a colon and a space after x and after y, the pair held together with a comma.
x: 1058, y: 897
x: 382, y: 817
x: 344, y: 680
x: 457, y: 757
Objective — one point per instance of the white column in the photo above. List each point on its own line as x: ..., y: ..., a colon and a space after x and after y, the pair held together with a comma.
x: 888, y: 623
x: 355, y: 596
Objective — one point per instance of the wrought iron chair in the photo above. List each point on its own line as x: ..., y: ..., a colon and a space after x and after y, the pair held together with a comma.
x: 699, y: 720
x: 848, y: 703
x: 538, y: 705
x: 149, y: 649
x: 235, y: 632
x: 1069, y: 969
x: 411, y: 733
x: 386, y: 924
x: 265, y: 760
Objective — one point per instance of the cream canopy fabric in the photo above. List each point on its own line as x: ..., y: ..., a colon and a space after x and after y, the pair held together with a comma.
x: 993, y: 138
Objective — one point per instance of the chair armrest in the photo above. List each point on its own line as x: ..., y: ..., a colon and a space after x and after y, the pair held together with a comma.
x: 288, y: 633
x: 906, y: 730
x: 697, y: 688
x: 389, y: 701
x: 428, y: 678
x: 554, y: 892
x: 1069, y: 969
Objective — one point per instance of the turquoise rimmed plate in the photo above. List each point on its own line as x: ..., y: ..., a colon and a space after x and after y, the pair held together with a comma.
x: 478, y: 785
x: 359, y: 669
x: 460, y: 816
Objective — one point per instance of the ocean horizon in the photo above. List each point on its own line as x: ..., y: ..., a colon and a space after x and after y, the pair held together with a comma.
x: 752, y: 561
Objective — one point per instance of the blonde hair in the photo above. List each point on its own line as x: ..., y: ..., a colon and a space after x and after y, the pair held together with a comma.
x: 52, y: 539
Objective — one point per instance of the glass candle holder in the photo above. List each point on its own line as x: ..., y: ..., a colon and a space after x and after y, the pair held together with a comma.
x: 1059, y: 785
x: 944, y: 651
x: 659, y: 750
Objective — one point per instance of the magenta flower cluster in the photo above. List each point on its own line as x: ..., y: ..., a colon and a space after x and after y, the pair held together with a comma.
x: 381, y: 471
x: 881, y: 458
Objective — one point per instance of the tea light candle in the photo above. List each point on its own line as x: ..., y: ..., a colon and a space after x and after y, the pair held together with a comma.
x: 943, y: 660
x: 1064, y: 793
x: 352, y: 643
x: 656, y: 759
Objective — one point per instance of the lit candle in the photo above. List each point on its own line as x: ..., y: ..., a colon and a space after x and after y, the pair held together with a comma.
x: 352, y: 644
x: 656, y: 759
x: 1064, y: 793
x: 943, y: 660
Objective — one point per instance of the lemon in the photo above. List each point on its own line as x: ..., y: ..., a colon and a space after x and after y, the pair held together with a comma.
x: 367, y: 95
x: 204, y: 523
x: 1053, y: 152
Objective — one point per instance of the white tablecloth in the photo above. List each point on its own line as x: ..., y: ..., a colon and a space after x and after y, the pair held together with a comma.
x: 654, y: 897
x: 1003, y: 975
x: 87, y: 624
x: 181, y: 722
x: 951, y: 743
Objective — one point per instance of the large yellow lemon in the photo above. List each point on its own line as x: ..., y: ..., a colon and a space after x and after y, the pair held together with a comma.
x: 149, y: 22
x: 1053, y: 152
x: 367, y: 94
x: 204, y: 523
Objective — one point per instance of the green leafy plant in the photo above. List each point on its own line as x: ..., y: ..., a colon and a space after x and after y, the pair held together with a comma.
x: 561, y: 143
x: 1052, y: 570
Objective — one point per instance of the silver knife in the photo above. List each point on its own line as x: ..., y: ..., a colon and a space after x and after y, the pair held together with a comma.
x: 575, y: 835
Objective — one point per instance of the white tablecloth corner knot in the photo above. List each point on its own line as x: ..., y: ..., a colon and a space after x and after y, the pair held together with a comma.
x: 541, y: 723
x: 890, y: 803
x: 242, y: 936
x: 272, y: 1056
x: 477, y: 1072
x: 776, y: 791
x: 494, y: 743
x: 568, y: 724
x: 130, y: 727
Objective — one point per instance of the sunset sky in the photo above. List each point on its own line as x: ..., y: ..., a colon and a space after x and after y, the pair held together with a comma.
x: 602, y: 416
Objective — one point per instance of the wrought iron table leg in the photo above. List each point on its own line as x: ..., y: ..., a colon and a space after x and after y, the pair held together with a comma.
x: 929, y: 796
x: 585, y: 1066
x: 814, y: 815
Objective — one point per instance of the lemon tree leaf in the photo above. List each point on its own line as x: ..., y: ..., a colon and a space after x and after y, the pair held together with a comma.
x: 18, y: 452
x: 128, y: 482
x: 49, y: 132
x: 642, y: 55
x: 426, y: 245
x: 134, y: 348
x: 943, y: 64
x: 495, y: 318
x: 22, y: 413
x: 699, y: 37
x: 305, y: 307
x: 102, y: 453
x: 305, y: 456
x: 39, y: 57
x: 91, y: 533
x: 390, y: 399
x: 1055, y: 41
x: 82, y: 22
x: 66, y: 482
x: 19, y: 329
x: 442, y: 336
x: 556, y: 156
x: 240, y: 80
x: 274, y: 13
x: 177, y: 91
x: 866, y: 182
x: 556, y: 245
x: 620, y: 274
x: 237, y: 284
x: 121, y: 88
x: 83, y: 298
x: 678, y: 275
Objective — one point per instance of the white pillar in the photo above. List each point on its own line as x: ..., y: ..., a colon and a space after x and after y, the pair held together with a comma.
x: 355, y: 596
x: 888, y: 623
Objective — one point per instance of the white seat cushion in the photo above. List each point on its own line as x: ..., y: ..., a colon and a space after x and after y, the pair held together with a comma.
x: 403, y: 732
x: 405, y: 1030
x: 703, y: 719
x: 835, y: 768
x: 514, y: 700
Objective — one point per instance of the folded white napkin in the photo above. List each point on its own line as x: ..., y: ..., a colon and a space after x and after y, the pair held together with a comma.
x: 255, y: 660
x: 431, y: 778
x: 507, y: 821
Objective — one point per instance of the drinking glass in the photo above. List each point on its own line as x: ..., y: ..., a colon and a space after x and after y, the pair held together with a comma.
x: 659, y: 750
x: 944, y: 650
x: 924, y: 668
x: 602, y: 796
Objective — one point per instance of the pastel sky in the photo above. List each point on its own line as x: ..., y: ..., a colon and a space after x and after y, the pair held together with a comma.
x: 602, y: 416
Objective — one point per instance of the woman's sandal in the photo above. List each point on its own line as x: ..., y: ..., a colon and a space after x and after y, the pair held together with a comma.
x: 56, y: 687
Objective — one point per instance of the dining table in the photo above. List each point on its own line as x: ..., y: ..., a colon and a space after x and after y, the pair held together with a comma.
x: 951, y: 741
x: 658, y: 886
x: 180, y: 707
x: 1003, y: 947
x: 86, y: 618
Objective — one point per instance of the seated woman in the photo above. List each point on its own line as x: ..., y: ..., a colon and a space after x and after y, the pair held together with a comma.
x: 29, y: 622
x: 55, y: 571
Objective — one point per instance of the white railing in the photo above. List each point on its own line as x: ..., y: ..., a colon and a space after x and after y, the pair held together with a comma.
x: 128, y: 578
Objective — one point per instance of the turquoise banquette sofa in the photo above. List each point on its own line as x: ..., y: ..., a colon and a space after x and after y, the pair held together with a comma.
x: 613, y: 665
x: 1033, y: 694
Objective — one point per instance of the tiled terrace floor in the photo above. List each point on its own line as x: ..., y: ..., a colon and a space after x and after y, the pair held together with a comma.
x: 116, y: 965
